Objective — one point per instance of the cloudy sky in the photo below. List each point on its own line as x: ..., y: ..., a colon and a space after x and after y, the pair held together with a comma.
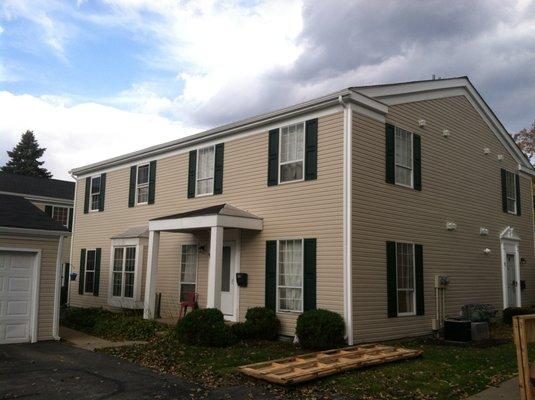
x: 95, y: 79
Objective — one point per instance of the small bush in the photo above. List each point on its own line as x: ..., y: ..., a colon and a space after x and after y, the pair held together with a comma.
x: 205, y: 327
x: 241, y: 330
x: 262, y: 323
x: 479, y: 312
x: 510, y: 312
x: 110, y: 325
x: 320, y: 330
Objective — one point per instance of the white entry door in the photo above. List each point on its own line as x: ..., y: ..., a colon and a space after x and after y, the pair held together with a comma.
x: 228, y: 280
x: 512, y: 280
x: 16, y: 296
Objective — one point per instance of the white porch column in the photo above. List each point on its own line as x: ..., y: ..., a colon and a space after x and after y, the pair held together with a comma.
x: 213, y: 297
x: 152, y: 271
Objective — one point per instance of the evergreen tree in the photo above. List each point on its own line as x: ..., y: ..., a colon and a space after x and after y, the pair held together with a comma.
x: 24, y: 158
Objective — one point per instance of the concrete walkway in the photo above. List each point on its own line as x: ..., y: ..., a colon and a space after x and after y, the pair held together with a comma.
x: 507, y: 390
x: 88, y: 342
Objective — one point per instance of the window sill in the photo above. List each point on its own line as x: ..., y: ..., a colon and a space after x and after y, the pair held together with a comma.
x: 289, y: 312
x: 203, y: 195
x: 401, y: 315
x: 411, y: 187
x: 125, y: 302
x: 293, y: 181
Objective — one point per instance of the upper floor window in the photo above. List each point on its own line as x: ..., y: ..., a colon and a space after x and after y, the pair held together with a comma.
x: 205, y: 171
x: 95, y: 193
x: 124, y: 266
x: 292, y: 151
x: 405, y: 276
x: 404, y: 158
x: 61, y: 215
x: 290, y: 275
x: 511, y: 192
x: 142, y: 185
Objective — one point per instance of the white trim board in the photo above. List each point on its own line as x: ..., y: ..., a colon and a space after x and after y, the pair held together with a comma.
x: 42, y: 199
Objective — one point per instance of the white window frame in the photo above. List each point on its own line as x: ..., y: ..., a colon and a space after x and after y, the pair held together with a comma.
x: 196, y: 268
x: 69, y: 211
x: 197, y: 179
x: 123, y: 271
x: 91, y: 194
x: 413, y: 312
x: 280, y: 164
x: 396, y: 128
x: 279, y: 310
x: 513, y: 175
x: 136, y: 301
x: 142, y: 185
x: 93, y: 270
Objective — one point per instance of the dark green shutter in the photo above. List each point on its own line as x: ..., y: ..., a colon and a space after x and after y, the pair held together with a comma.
x: 271, y: 274
x: 152, y: 182
x: 518, y: 204
x: 390, y: 153
x: 97, y: 272
x: 102, y: 196
x: 48, y: 211
x: 71, y: 214
x: 417, y: 157
x: 273, y: 158
x: 81, y: 275
x: 218, y: 168
x: 87, y: 194
x: 192, y: 173
x: 391, y: 283
x: 311, y: 149
x: 504, y: 190
x: 309, y: 294
x: 419, y: 273
x: 132, y: 187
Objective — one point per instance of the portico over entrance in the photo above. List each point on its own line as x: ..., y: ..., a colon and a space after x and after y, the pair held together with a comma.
x: 222, y: 258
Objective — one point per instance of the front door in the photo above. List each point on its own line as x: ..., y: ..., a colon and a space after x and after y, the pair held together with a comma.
x: 512, y: 280
x: 227, y: 281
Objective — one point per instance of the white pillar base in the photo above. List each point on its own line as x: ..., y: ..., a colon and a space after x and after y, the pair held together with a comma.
x: 152, y: 272
x: 213, y: 297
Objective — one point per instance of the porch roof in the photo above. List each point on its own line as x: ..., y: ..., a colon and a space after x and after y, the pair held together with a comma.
x: 224, y: 215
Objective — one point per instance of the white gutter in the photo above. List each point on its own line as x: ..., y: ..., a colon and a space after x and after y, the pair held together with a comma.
x: 36, y: 232
x: 347, y: 220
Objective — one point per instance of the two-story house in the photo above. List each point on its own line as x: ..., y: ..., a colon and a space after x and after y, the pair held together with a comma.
x: 35, y: 223
x: 357, y: 202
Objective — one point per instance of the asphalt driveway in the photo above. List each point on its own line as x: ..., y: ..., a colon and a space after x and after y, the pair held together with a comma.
x: 54, y: 370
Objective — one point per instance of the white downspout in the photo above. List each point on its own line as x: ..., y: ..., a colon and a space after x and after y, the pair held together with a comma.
x: 347, y: 220
x: 57, y: 289
x: 72, y: 241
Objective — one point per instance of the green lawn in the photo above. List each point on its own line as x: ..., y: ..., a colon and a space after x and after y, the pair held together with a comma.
x: 443, y: 372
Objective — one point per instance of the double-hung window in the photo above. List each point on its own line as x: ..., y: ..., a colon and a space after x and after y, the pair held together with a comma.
x: 290, y: 275
x: 61, y: 215
x: 89, y: 279
x: 205, y: 171
x: 404, y: 157
x: 511, y: 189
x: 188, y: 270
x: 124, y: 267
x: 142, y: 184
x: 292, y: 153
x: 405, y: 275
x: 95, y: 193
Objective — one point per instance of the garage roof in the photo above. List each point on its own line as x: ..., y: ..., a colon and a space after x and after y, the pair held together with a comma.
x: 17, y: 212
x: 32, y: 185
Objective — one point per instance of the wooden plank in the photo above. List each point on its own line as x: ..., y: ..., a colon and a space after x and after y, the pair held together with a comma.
x: 293, y: 370
x: 523, y: 333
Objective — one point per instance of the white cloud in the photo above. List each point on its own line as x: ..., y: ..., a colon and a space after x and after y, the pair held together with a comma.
x: 80, y: 134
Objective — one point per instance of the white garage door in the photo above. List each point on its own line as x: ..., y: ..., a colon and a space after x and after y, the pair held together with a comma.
x: 16, y: 296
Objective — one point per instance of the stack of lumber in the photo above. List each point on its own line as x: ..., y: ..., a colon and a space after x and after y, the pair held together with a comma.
x: 523, y: 334
x: 293, y: 370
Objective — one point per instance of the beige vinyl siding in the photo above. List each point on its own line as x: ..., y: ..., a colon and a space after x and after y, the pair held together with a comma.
x: 459, y: 184
x: 49, y: 250
x: 294, y: 210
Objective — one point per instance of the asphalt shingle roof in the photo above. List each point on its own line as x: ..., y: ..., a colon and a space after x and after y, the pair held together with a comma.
x: 31, y: 185
x: 18, y: 212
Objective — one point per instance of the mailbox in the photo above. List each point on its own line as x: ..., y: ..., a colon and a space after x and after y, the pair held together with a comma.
x: 241, y: 279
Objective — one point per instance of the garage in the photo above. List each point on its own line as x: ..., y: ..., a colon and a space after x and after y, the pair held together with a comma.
x: 18, y: 294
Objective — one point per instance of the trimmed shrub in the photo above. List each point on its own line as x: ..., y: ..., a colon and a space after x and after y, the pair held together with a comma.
x: 262, y: 323
x: 241, y: 330
x: 205, y: 327
x: 510, y: 312
x: 110, y: 325
x: 320, y: 330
